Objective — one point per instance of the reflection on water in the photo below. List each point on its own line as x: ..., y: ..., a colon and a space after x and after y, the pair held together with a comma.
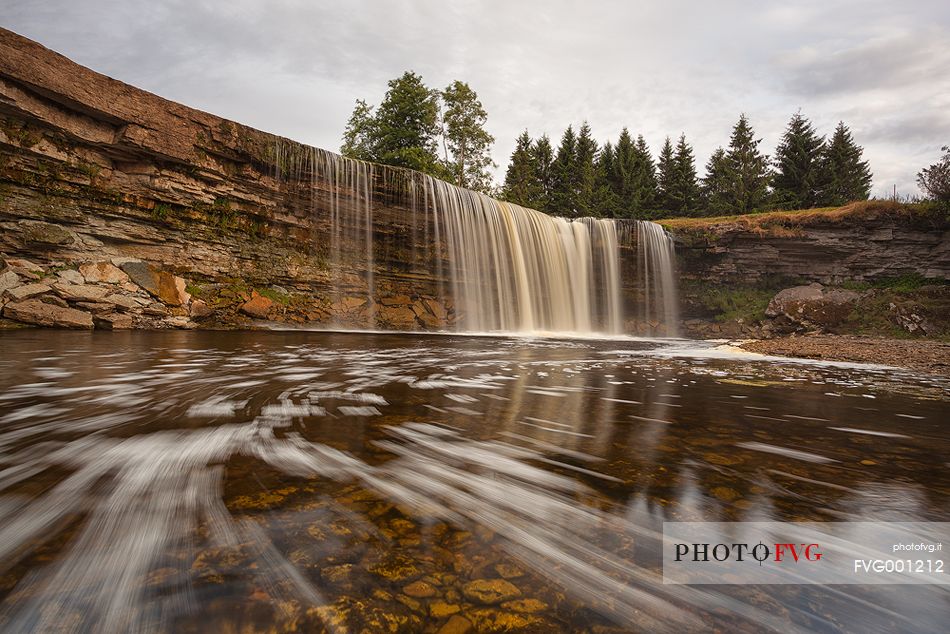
x: 312, y: 481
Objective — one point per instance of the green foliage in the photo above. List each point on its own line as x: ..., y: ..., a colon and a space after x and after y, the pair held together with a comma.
x: 747, y: 170
x: 666, y: 166
x: 565, y: 176
x: 542, y: 161
x: 845, y: 177
x: 733, y: 303
x: 405, y: 130
x: 274, y: 296
x: 522, y: 186
x: 684, y: 194
x: 586, y: 174
x: 716, y: 189
x: 466, y: 138
x: 798, y: 163
x: 935, y: 180
x: 161, y: 211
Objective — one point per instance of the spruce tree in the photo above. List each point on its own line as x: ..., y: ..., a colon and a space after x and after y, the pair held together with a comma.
x: 466, y: 138
x: 644, y: 179
x: 564, y: 176
x: 717, y: 194
x: 624, y: 168
x: 684, y: 196
x: 605, y: 198
x: 521, y: 186
x: 845, y: 177
x: 542, y: 162
x: 797, y: 182
x: 666, y: 178
x: 748, y: 170
x: 586, y: 172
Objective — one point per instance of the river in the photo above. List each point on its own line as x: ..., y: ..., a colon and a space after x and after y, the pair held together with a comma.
x: 309, y: 481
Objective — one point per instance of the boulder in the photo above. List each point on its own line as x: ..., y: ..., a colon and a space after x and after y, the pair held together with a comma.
x: 26, y: 265
x: 399, y: 317
x: 33, y: 311
x: 80, y: 292
x: 69, y: 276
x: 158, y: 283
x: 396, y: 300
x: 103, y: 272
x: 489, y: 591
x: 258, y: 306
x: 113, y: 321
x: 27, y: 291
x: 436, y: 308
x: 812, y: 306
x: 122, y: 301
x: 46, y: 234
x: 96, y: 308
x: 8, y: 280
x: 199, y: 309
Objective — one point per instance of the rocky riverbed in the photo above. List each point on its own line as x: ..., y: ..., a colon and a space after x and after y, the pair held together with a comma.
x: 923, y: 355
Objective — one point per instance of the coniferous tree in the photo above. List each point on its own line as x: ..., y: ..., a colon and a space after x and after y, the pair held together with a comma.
x: 466, y: 138
x: 605, y: 197
x: 586, y: 172
x: 624, y: 168
x: 798, y: 157
x: 666, y: 177
x: 717, y: 194
x: 565, y: 176
x: 543, y: 164
x: 644, y: 178
x: 748, y: 170
x: 845, y: 177
x: 521, y: 186
x: 684, y: 196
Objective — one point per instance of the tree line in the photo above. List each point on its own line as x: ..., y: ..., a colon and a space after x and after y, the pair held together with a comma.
x: 413, y: 121
x: 622, y: 180
x: 442, y: 133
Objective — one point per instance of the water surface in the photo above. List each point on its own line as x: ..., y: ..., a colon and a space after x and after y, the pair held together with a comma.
x: 295, y: 481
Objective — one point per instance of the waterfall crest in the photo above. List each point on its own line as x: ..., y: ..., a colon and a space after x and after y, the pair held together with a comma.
x: 491, y: 266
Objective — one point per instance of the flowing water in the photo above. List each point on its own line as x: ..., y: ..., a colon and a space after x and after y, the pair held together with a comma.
x: 300, y: 481
x: 503, y: 267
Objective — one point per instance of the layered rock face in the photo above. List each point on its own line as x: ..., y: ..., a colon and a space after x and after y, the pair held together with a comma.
x: 140, y: 212
x: 94, y: 172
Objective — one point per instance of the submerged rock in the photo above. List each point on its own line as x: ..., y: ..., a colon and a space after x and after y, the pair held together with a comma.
x: 456, y: 625
x: 40, y: 313
x: 490, y: 591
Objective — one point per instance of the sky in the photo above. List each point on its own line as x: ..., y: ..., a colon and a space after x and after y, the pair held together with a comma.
x: 296, y: 67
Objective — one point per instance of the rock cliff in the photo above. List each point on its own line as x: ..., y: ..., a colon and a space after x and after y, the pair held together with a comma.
x: 119, y: 209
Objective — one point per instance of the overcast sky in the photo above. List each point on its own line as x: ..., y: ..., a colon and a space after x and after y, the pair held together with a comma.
x: 661, y: 68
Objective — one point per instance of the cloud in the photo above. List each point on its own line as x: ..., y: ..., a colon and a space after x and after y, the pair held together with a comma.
x: 295, y: 67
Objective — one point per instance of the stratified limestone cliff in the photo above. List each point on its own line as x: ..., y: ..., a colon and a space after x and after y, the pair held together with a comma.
x: 94, y: 170
x: 122, y: 209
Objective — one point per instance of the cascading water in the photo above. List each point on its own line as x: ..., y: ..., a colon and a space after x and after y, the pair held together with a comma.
x: 498, y: 267
x: 660, y: 304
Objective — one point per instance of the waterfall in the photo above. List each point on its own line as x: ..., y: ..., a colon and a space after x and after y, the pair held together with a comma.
x: 488, y: 265
x: 659, y: 306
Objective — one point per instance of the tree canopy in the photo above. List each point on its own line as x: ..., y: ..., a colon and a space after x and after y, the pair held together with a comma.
x: 407, y: 126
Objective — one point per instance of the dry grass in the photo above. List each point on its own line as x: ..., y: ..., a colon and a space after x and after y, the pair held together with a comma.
x: 792, y: 223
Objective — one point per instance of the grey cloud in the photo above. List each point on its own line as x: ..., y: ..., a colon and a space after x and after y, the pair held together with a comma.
x: 295, y: 68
